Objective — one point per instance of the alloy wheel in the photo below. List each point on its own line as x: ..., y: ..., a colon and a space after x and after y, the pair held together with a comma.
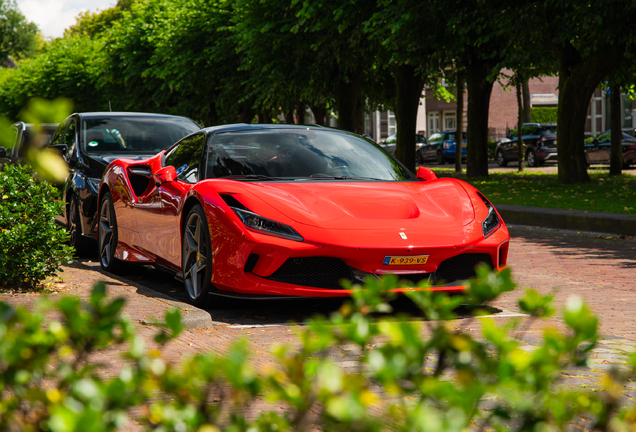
x: 106, y: 237
x: 530, y: 158
x: 194, y: 256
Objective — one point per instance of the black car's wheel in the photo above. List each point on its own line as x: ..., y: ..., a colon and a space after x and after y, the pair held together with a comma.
x: 196, y: 258
x: 84, y: 247
x: 440, y: 158
x: 501, y: 159
x: 419, y: 157
x: 531, y: 158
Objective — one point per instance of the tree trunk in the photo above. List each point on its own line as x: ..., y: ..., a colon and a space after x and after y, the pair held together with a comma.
x: 300, y: 113
x: 527, y: 110
x: 319, y: 114
x: 212, y: 117
x: 616, y: 151
x: 409, y: 87
x: 578, y: 78
x: 519, y: 126
x: 289, y: 116
x: 347, y: 97
x: 479, y: 90
x: 247, y: 115
x: 459, y: 118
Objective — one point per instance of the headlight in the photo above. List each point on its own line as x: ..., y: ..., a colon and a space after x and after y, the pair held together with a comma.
x: 93, y: 183
x: 492, y: 221
x: 266, y: 226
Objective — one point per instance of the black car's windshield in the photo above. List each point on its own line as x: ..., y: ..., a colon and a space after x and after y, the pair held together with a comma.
x: 133, y: 135
x: 295, y: 154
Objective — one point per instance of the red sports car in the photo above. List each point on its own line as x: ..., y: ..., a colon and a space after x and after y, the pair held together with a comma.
x: 277, y: 210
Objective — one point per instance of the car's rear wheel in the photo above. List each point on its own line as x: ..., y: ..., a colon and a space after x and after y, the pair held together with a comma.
x: 531, y: 159
x: 84, y: 247
x: 440, y: 158
x: 501, y: 159
x: 196, y: 258
x: 107, y: 237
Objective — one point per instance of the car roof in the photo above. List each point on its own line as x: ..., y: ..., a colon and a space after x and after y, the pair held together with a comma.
x: 126, y: 114
x: 245, y: 127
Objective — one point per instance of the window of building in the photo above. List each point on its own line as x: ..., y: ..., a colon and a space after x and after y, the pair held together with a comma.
x: 433, y: 122
x: 449, y: 121
x: 392, y: 124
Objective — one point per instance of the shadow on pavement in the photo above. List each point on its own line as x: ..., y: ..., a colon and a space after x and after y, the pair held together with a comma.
x: 581, y: 245
x: 155, y: 283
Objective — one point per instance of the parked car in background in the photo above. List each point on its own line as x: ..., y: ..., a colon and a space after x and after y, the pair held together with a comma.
x: 441, y: 148
x: 89, y: 142
x: 26, y: 138
x: 539, y: 145
x: 598, y: 151
x: 391, y: 141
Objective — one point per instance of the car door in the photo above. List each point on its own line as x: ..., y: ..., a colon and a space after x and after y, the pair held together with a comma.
x: 433, y: 144
x: 598, y: 152
x: 187, y: 158
x: 510, y: 148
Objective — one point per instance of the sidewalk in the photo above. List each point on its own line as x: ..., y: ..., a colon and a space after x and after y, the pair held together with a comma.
x: 577, y: 220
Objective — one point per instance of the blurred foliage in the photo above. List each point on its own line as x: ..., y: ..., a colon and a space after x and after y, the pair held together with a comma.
x: 32, y: 246
x: 543, y: 115
x: 411, y: 376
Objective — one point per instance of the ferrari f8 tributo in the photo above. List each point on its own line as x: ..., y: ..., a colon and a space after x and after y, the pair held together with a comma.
x: 278, y: 210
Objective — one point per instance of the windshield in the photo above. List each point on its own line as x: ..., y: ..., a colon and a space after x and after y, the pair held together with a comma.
x: 133, y: 135
x: 292, y: 154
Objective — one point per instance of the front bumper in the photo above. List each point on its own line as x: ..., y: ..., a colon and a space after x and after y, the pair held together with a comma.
x: 250, y: 263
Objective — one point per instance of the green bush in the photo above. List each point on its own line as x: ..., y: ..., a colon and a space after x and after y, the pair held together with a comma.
x: 543, y: 115
x: 412, y: 376
x: 31, y: 244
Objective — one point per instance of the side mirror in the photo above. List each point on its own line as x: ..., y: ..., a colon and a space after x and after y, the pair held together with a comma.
x: 165, y: 175
x: 61, y: 148
x: 425, y: 174
x: 3, y: 152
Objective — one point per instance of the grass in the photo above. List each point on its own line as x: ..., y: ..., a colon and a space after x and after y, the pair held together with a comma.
x: 603, y: 193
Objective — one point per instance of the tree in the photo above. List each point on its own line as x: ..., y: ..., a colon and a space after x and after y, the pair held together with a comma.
x: 588, y: 41
x: 18, y: 37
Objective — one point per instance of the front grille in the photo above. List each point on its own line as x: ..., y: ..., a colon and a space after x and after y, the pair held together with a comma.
x: 317, y: 272
x: 462, y: 266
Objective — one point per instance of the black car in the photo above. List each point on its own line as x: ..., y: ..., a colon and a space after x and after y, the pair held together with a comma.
x: 26, y: 137
x: 598, y: 151
x: 441, y: 148
x: 391, y: 141
x: 89, y: 142
x: 539, y: 145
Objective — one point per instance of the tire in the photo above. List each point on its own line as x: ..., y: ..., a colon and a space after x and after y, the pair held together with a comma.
x: 419, y: 158
x: 196, y: 259
x: 107, y: 238
x: 440, y: 158
x: 531, y: 159
x: 501, y: 159
x: 84, y: 247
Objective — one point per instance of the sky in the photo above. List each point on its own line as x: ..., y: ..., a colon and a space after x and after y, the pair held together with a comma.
x: 53, y: 16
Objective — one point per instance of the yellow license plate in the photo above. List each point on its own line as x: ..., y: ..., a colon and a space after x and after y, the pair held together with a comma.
x: 405, y: 260
x: 554, y: 142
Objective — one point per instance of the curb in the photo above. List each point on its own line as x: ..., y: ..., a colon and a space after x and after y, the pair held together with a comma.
x: 610, y: 223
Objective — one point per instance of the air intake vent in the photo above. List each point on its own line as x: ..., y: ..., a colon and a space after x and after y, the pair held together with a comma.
x: 462, y: 266
x: 317, y: 272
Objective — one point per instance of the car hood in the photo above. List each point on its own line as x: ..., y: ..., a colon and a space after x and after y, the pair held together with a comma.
x: 432, y: 207
x: 97, y: 163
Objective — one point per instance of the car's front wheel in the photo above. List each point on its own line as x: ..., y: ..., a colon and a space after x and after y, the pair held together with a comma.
x: 501, y: 159
x: 440, y: 158
x: 196, y: 257
x: 107, y: 237
x: 531, y: 159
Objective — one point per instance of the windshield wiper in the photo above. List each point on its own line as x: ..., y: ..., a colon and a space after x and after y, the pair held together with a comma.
x: 249, y: 177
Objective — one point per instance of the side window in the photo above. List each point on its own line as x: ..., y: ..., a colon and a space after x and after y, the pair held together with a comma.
x: 70, y: 137
x: 186, y: 158
x: 58, y: 137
